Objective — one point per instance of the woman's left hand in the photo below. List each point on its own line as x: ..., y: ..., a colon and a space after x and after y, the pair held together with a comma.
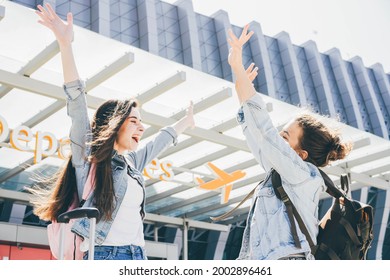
x: 62, y: 31
x: 236, y: 44
x: 190, y: 115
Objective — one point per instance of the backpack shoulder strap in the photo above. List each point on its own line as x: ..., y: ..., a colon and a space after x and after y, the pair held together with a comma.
x: 332, y: 189
x: 291, y: 211
x: 227, y: 214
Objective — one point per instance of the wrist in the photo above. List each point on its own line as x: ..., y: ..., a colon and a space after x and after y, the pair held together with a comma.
x: 65, y: 46
x: 188, y: 121
x: 237, y: 67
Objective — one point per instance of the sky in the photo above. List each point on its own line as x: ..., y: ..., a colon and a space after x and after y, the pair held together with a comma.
x: 355, y: 27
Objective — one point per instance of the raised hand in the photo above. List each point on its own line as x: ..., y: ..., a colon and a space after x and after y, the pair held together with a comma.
x: 64, y: 35
x: 236, y: 44
x: 62, y: 31
x: 187, y: 121
x: 244, y: 78
x: 190, y: 115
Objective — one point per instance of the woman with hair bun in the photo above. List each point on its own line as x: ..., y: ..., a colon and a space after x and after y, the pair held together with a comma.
x: 296, y: 153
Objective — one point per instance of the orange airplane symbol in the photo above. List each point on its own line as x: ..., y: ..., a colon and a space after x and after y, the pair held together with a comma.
x: 224, y: 181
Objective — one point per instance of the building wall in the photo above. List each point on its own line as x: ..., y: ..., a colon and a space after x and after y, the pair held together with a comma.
x: 11, y: 252
x: 299, y: 75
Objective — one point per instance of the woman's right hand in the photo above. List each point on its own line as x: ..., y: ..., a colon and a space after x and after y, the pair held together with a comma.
x: 236, y: 45
x: 62, y: 31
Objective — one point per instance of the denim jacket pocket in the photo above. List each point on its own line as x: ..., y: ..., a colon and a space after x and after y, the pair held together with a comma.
x: 267, y: 201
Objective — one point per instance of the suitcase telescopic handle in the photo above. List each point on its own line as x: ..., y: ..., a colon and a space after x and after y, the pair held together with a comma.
x: 86, y: 212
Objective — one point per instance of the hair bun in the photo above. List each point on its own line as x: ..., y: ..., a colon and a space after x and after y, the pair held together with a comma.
x: 339, y: 150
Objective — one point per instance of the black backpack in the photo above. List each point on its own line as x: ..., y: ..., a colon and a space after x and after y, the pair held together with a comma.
x: 345, y: 231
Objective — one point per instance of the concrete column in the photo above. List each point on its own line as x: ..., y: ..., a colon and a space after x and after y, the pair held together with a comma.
x: 222, y: 25
x: 370, y: 99
x: 381, y: 219
x: 384, y: 88
x: 383, y: 83
x: 147, y: 21
x: 291, y: 68
x: 17, y: 213
x: 178, y: 240
x: 346, y: 90
x: 100, y: 17
x: 189, y: 34
x: 320, y: 79
x: 261, y: 59
x: 185, y: 239
x: 219, y: 239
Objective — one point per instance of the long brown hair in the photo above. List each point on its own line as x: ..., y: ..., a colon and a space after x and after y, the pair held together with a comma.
x: 106, y: 123
x: 53, y: 196
x: 322, y: 143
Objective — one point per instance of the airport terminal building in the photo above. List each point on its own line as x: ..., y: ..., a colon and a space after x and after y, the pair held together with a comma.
x: 165, y: 55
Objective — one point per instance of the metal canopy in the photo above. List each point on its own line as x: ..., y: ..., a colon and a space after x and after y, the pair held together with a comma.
x: 31, y: 95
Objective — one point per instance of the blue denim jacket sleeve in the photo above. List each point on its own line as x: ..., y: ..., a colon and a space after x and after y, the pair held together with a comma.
x: 152, y: 149
x: 265, y: 143
x: 80, y: 131
x: 252, y: 143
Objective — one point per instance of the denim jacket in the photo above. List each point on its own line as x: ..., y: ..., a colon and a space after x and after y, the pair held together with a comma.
x: 131, y: 164
x: 267, y: 234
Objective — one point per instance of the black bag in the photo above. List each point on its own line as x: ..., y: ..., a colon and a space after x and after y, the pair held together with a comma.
x: 345, y: 231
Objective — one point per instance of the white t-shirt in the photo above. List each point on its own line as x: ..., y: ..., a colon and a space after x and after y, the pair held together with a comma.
x: 127, y: 227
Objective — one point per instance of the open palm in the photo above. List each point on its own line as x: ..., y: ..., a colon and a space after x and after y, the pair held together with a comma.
x: 190, y: 115
x: 62, y: 31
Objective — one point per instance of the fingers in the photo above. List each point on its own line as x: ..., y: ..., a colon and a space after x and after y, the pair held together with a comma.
x: 45, y: 12
x: 252, y: 72
x: 44, y: 23
x: 48, y: 14
x: 244, y: 32
x: 51, y: 12
x: 244, y: 37
x: 253, y: 75
x: 191, y: 107
x: 41, y: 9
x: 46, y: 19
x: 190, y: 115
x: 42, y: 13
x: 232, y: 39
x: 249, y: 36
x: 250, y: 68
x: 69, y: 18
x: 232, y: 35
